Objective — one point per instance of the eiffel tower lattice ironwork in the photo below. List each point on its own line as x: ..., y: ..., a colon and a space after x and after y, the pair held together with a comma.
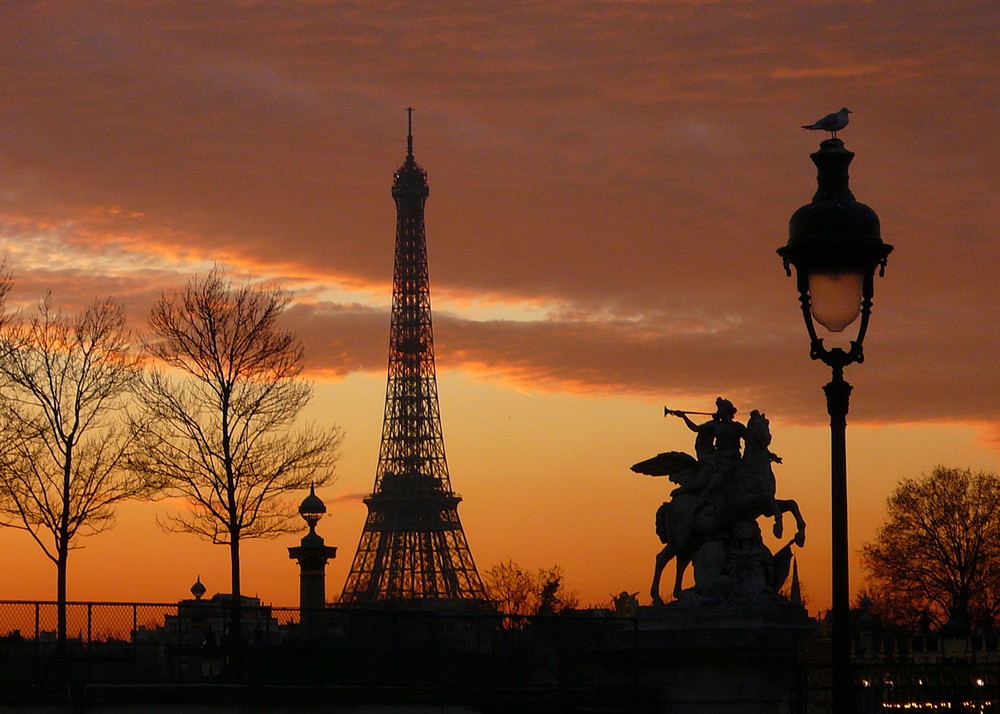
x: 412, y: 547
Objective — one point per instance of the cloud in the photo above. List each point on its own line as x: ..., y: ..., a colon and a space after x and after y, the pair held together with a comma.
x: 349, y: 499
x: 626, y: 169
x: 760, y: 363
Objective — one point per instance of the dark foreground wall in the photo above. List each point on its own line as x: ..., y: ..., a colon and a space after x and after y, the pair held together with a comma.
x: 240, y: 699
x: 144, y: 658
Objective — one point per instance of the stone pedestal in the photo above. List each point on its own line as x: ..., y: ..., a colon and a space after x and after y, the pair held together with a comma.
x: 722, y: 659
x: 312, y: 556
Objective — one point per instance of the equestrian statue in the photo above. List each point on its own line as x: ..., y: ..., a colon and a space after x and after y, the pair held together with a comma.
x: 710, y: 520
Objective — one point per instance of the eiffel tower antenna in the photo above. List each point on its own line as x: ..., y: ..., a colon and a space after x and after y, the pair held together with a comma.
x: 409, y: 133
x: 412, y: 546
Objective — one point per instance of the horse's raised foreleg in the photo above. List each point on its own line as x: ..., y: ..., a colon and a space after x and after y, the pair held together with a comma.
x: 662, y: 558
x: 779, y: 526
x: 788, y: 505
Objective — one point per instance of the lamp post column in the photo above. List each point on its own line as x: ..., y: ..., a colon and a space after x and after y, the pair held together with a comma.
x: 838, y: 393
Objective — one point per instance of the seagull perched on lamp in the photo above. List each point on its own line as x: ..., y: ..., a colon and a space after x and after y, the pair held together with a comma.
x: 831, y: 122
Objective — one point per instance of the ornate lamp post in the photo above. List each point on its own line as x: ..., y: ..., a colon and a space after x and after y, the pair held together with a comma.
x: 835, y: 246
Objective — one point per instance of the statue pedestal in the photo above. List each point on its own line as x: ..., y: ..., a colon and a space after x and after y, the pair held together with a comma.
x: 722, y: 659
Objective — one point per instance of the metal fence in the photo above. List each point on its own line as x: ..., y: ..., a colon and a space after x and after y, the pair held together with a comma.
x: 195, y: 642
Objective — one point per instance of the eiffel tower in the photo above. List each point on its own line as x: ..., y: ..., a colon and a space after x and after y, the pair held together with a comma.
x: 412, y: 547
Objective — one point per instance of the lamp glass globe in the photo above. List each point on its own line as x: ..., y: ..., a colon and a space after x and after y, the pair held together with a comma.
x: 835, y: 298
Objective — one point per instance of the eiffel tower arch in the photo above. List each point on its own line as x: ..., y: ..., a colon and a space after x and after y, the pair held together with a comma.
x: 412, y: 547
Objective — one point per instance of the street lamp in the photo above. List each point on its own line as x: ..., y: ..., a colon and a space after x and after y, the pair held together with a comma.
x: 835, y: 246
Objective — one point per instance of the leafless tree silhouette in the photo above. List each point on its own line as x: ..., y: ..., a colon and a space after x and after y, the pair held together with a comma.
x: 939, y: 549
x: 222, y: 433
x: 65, y: 380
x: 516, y: 591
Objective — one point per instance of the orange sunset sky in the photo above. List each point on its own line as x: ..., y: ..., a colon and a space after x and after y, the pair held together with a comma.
x: 609, y: 182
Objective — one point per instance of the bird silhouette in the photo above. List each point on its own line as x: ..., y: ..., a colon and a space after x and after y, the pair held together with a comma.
x: 831, y: 122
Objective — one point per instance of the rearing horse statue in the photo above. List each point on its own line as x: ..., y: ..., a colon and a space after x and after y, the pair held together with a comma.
x: 694, y: 517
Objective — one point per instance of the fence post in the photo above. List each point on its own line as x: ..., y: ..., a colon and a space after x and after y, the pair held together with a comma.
x: 134, y: 641
x: 38, y: 639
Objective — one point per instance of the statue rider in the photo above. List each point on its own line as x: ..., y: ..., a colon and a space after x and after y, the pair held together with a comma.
x: 717, y: 447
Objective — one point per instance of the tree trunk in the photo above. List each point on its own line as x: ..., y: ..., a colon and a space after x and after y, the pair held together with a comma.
x: 62, y: 547
x: 61, y: 563
x: 236, y: 615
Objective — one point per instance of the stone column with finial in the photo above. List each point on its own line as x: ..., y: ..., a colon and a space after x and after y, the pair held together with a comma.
x: 312, y: 555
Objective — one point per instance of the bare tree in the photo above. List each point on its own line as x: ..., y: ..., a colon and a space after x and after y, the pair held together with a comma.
x: 62, y: 442
x: 222, y: 434
x: 516, y: 591
x: 939, y: 549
